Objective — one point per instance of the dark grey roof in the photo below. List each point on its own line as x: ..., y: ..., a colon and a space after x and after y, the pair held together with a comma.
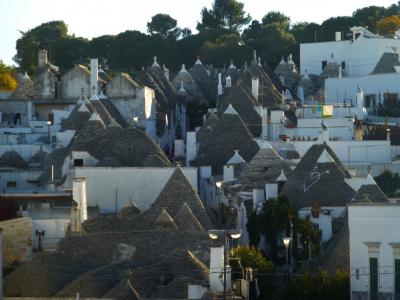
x: 204, y: 82
x: 264, y: 167
x: 114, y: 112
x: 177, y: 193
x: 12, y: 159
x: 386, y: 63
x: 269, y: 95
x: 370, y: 194
x: 208, y: 125
x: 322, y: 182
x: 39, y: 158
x: 128, y: 146
x: 243, y: 102
x: 110, y: 162
x: 159, y: 261
x: 218, y: 145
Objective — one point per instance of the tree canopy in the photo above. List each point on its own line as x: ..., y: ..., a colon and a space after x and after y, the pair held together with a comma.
x: 7, y: 81
x: 225, y: 15
x: 220, y: 29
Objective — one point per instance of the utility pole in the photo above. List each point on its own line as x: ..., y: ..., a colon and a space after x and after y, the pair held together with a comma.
x: 225, y: 261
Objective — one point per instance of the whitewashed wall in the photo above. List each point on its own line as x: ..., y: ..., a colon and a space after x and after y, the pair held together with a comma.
x: 113, y: 188
x: 21, y: 177
x: 339, y: 89
x: 361, y: 56
x: 355, y: 152
x: 379, y: 223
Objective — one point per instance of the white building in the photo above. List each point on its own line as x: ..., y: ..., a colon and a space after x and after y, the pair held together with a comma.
x: 357, y: 57
x: 112, y: 188
x: 374, y: 225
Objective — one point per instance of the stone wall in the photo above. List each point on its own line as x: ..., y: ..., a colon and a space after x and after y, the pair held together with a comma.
x: 17, y: 240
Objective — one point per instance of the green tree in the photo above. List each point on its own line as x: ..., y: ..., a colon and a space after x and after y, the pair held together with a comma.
x: 317, y: 286
x: 44, y: 36
x: 388, y: 182
x: 225, y: 48
x: 276, y: 220
x: 7, y: 80
x: 368, y: 16
x: 305, y: 32
x: 276, y: 17
x: 224, y: 16
x: 250, y: 257
x: 163, y: 25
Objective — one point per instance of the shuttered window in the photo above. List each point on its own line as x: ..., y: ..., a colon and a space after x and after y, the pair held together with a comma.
x: 373, y: 278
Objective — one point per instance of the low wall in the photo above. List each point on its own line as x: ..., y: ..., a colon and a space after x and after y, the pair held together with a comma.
x: 17, y: 240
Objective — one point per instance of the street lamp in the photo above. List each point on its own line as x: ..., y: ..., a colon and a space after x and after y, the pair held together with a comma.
x: 226, y: 234
x: 48, y: 126
x: 286, y: 243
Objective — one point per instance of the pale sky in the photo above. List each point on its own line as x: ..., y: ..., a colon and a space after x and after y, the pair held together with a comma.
x: 91, y: 18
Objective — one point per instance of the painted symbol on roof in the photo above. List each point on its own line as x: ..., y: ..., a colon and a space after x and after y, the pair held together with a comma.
x: 315, y: 176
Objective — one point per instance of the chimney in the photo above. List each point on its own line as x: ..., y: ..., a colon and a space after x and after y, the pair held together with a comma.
x: 264, y: 122
x: 254, y: 87
x: 75, y: 225
x: 216, y: 268
x: 220, y: 91
x: 338, y: 36
x: 229, y: 173
x: 42, y: 58
x: 79, y: 195
x: 191, y: 147
x: 94, y: 77
x: 228, y: 81
x: 166, y: 72
x: 340, y: 72
x: 271, y: 190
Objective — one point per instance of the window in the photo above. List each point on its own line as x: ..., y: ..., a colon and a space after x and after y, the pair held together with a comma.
x: 332, y: 55
x: 370, y: 101
x: 343, y: 65
x: 324, y: 63
x: 373, y: 278
x: 11, y: 184
x: 390, y: 99
x: 78, y: 162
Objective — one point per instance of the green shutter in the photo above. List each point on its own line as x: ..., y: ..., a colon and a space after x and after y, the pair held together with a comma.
x: 397, y: 278
x: 373, y: 278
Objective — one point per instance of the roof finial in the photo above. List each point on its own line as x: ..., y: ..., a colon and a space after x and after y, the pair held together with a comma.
x: 155, y: 63
x: 182, y: 89
x: 183, y: 69
x: 259, y: 62
x: 198, y: 61
x: 232, y: 66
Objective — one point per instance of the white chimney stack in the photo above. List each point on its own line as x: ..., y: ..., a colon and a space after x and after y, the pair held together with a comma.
x: 340, y: 72
x: 254, y: 87
x: 79, y: 195
x: 229, y: 173
x: 216, y: 268
x: 220, y: 90
x: 338, y: 36
x: 42, y: 58
x: 191, y: 147
x: 228, y: 81
x: 264, y: 122
x: 271, y: 190
x: 94, y: 76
